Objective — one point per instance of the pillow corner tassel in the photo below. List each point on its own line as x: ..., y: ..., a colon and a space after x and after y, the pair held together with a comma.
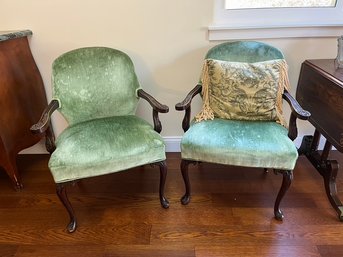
x: 283, y: 84
x: 206, y: 112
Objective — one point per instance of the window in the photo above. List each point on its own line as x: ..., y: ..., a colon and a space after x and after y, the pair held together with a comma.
x: 239, y: 19
x: 249, y: 4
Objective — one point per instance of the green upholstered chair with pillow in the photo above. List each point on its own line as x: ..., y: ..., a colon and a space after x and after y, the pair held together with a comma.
x: 241, y: 123
x: 97, y: 91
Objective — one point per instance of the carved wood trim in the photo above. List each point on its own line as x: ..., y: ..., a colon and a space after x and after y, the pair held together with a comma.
x: 186, y: 105
x: 157, y: 107
x: 44, y: 122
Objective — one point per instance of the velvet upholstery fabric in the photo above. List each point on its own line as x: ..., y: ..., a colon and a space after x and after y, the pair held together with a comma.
x: 244, y: 51
x: 105, y: 145
x: 97, y: 91
x: 94, y: 82
x: 240, y: 143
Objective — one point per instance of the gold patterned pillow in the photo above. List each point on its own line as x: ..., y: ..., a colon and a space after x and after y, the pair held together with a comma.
x: 243, y: 91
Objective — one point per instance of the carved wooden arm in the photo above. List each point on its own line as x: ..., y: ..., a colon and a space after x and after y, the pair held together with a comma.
x: 44, y: 122
x: 43, y: 126
x: 186, y: 105
x: 297, y: 112
x: 156, y: 108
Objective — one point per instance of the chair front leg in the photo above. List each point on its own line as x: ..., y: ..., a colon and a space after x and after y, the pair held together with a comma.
x: 185, y: 199
x: 163, y: 175
x: 62, y: 195
x: 286, y: 182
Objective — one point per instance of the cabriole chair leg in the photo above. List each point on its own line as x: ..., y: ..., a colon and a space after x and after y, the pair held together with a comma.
x: 185, y: 199
x: 62, y: 195
x: 286, y: 182
x: 163, y: 175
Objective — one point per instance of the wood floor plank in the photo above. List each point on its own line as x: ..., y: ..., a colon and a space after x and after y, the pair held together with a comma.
x: 330, y: 250
x: 106, y: 251
x: 134, y: 233
x: 173, y: 216
x: 257, y: 251
x: 237, y: 235
x: 307, y: 216
x: 8, y: 250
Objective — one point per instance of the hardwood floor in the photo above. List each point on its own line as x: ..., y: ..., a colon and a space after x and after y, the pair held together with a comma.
x: 230, y: 214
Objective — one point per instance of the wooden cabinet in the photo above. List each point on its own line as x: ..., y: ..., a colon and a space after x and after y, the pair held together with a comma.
x: 22, y: 99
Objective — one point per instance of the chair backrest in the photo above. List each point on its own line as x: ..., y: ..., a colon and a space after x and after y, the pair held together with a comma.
x: 240, y: 101
x: 94, y: 82
x: 244, y: 51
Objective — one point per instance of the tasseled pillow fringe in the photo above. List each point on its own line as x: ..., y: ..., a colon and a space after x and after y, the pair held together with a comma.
x: 283, y: 84
x: 206, y: 112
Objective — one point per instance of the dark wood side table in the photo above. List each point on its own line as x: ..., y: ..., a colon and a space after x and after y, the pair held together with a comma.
x: 320, y: 91
x: 22, y: 99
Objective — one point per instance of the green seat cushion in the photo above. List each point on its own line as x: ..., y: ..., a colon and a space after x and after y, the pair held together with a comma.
x: 106, y: 145
x: 240, y: 143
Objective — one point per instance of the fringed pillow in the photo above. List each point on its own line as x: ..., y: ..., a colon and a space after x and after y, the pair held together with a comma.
x: 243, y: 91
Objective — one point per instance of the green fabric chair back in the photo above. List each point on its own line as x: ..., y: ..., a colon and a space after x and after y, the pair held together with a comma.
x: 244, y: 51
x: 94, y: 82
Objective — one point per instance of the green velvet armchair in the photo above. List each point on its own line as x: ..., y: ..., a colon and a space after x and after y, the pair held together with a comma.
x: 97, y: 91
x: 244, y: 141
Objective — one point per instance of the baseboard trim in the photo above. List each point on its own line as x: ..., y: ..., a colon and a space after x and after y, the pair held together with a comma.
x: 172, y: 144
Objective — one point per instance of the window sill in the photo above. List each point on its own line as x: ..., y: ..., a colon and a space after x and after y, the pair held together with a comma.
x: 222, y: 32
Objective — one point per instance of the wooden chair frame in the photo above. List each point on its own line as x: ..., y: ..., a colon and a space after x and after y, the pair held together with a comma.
x: 43, y: 127
x: 297, y: 112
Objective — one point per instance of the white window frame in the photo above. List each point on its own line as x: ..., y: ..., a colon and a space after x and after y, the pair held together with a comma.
x: 276, y: 22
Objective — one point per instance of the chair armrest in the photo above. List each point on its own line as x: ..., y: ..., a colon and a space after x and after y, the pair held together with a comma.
x: 156, y: 106
x: 186, y: 105
x: 44, y: 122
x: 297, y: 112
x: 152, y: 101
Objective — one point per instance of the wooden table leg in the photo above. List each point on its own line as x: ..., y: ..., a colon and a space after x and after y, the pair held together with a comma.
x: 329, y: 175
x: 327, y: 168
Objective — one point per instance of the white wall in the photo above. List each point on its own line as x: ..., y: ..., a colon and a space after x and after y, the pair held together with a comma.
x: 166, y: 40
